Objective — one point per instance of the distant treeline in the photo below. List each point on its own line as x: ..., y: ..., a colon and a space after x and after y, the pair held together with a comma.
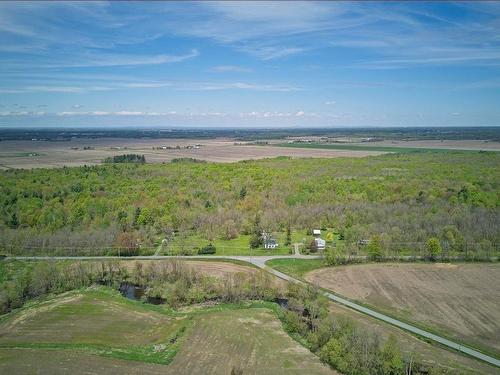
x: 127, y: 158
x: 187, y: 160
x: 422, y: 133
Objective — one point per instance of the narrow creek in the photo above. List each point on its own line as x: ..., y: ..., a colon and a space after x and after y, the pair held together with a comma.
x: 137, y: 293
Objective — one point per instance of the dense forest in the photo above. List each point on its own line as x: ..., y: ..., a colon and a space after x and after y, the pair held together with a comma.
x: 403, y: 199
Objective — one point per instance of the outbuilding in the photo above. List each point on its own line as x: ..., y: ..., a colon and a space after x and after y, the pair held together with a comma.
x: 320, y: 243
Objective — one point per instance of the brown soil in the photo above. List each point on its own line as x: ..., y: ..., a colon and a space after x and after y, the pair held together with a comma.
x: 15, y: 154
x: 459, y: 300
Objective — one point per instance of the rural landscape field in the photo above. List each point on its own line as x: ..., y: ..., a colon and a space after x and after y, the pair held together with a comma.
x: 257, y: 187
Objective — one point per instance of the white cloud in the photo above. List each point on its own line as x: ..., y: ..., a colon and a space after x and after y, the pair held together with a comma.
x: 216, y: 86
x: 331, y: 102
x: 230, y: 69
x: 66, y: 89
x: 269, y: 53
x: 82, y: 87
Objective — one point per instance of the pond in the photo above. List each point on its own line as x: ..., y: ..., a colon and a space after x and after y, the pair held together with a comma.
x: 136, y: 293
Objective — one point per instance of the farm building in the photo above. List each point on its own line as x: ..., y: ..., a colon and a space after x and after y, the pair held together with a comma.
x: 320, y: 243
x: 270, y: 243
x: 316, y: 232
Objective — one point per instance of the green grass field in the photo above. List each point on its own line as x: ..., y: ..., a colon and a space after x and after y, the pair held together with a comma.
x: 398, y: 150
x: 296, y: 267
x: 100, y: 327
x: 236, y: 246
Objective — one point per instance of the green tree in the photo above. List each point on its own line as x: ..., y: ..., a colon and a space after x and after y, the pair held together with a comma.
x: 13, y: 221
x: 135, y: 221
x: 335, y: 255
x: 256, y: 236
x: 329, y: 237
x: 145, y: 217
x: 391, y: 357
x: 255, y: 241
x: 374, y: 248
x: 243, y: 192
x: 433, y: 248
x: 288, y: 239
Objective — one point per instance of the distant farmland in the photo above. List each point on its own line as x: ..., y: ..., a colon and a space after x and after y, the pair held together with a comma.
x: 401, y: 146
x: 77, y: 152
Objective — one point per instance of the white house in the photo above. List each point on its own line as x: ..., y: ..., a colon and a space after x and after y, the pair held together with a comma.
x: 320, y: 243
x: 316, y: 232
x: 270, y: 244
x: 269, y: 241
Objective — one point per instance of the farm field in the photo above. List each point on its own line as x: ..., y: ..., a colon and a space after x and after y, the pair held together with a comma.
x: 413, y: 145
x: 53, y: 154
x: 209, y: 268
x: 117, y: 332
x: 392, y: 147
x: 413, y: 346
x: 458, y: 300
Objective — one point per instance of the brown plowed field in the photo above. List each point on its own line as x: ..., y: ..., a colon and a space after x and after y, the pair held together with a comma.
x: 461, y: 301
x: 45, y: 154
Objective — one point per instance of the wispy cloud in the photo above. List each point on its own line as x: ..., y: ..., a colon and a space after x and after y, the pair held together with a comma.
x: 230, y: 69
x: 399, y: 35
x: 82, y: 87
x: 81, y: 60
x: 216, y: 86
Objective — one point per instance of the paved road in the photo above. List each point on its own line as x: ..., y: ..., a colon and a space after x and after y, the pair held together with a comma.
x: 260, y: 261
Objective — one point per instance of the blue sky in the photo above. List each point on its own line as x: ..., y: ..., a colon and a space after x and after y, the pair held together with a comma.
x: 245, y: 64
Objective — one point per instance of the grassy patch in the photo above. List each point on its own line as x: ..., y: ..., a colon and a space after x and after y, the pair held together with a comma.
x: 250, y: 339
x: 296, y: 267
x: 398, y: 150
x: 235, y: 246
x: 10, y: 268
x: 222, y: 260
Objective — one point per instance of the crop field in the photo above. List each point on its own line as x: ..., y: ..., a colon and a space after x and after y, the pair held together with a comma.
x: 252, y: 340
x: 409, y: 344
x: 69, y: 361
x: 209, y: 268
x: 400, y: 146
x: 90, y: 318
x: 469, y: 144
x: 459, y: 300
x: 413, y: 346
x: 78, y: 152
x: 110, y: 332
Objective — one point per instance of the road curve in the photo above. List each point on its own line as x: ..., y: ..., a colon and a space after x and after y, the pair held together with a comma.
x: 395, y: 322
x: 260, y: 261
